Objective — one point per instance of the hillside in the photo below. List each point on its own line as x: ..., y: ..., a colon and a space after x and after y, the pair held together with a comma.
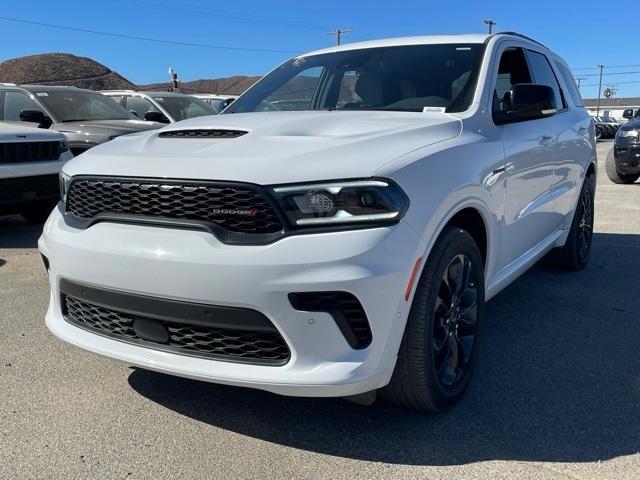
x: 61, y: 69
x: 230, y: 85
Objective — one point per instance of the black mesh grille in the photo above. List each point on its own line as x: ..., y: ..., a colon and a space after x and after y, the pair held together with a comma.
x: 26, y: 152
x: 261, y: 347
x: 232, y: 207
x: 202, y: 133
x: 346, y: 310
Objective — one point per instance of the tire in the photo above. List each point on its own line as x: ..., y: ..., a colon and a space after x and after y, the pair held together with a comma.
x: 614, y: 175
x: 37, y: 212
x: 598, y: 133
x: 420, y: 379
x: 575, y: 253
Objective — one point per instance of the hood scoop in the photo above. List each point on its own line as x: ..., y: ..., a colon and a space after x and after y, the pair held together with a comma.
x: 202, y: 133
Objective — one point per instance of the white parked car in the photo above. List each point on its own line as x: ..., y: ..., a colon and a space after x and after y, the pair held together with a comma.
x: 217, y: 101
x: 30, y: 163
x: 338, y: 230
x: 163, y: 107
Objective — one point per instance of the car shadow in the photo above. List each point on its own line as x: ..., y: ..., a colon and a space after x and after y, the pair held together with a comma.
x: 16, y: 233
x: 558, y: 380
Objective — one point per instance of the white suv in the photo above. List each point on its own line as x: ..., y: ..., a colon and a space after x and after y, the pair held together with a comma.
x: 338, y: 230
x: 30, y: 161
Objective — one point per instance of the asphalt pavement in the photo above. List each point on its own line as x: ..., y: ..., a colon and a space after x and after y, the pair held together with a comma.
x: 556, y: 393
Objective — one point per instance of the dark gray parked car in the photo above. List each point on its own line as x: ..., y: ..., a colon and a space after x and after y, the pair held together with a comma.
x: 87, y: 118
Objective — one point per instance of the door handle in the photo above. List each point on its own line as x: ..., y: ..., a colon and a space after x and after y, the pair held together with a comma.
x: 545, y: 139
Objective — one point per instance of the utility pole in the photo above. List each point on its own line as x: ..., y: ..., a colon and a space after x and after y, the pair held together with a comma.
x: 173, y: 85
x: 490, y: 23
x: 579, y: 80
x: 338, y: 32
x: 601, y: 67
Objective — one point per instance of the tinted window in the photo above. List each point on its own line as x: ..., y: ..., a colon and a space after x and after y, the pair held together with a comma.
x: 570, y: 83
x: 14, y: 103
x: 404, y: 78
x: 69, y: 106
x: 543, y: 75
x: 512, y: 70
x: 181, y: 108
x: 140, y: 105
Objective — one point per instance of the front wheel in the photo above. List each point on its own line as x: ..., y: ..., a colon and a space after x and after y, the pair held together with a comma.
x: 614, y: 175
x: 439, y: 348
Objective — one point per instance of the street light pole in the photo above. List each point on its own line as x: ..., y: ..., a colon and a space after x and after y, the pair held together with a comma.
x: 338, y: 32
x: 490, y: 23
x: 599, y: 90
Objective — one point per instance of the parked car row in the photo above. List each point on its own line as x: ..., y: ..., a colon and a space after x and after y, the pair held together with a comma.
x: 606, y: 127
x: 41, y: 127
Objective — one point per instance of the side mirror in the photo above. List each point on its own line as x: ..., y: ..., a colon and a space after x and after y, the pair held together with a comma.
x: 526, y: 101
x: 156, y: 117
x: 36, y: 116
x: 226, y: 103
x: 628, y: 113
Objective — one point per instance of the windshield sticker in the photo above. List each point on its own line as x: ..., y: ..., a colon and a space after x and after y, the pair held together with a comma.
x: 42, y: 94
x: 434, y: 109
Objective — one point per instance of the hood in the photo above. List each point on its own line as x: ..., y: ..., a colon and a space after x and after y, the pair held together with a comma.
x: 19, y: 133
x: 99, y: 131
x: 278, y: 147
x: 631, y: 125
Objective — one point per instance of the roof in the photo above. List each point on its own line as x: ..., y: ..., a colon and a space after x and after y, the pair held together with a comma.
x: 50, y: 88
x: 628, y: 102
x: 399, y: 41
x: 421, y: 40
x: 150, y: 93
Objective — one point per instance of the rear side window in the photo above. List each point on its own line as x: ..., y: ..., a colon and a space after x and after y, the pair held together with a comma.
x: 574, y: 93
x: 14, y: 103
x: 543, y: 75
x: 513, y: 69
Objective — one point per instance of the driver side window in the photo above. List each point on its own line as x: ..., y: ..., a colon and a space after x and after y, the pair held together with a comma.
x: 513, y: 69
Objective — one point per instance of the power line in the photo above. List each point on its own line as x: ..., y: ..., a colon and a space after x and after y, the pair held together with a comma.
x: 596, y: 68
x: 191, y: 10
x: 617, y: 83
x: 146, y: 39
x: 610, y: 74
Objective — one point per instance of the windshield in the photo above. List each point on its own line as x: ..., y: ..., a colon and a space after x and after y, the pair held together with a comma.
x: 69, y: 106
x: 405, y: 78
x: 181, y: 108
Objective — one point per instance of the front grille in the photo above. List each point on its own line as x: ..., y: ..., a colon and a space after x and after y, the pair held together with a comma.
x: 235, y: 208
x: 258, y: 346
x: 345, y: 309
x: 26, y: 152
x: 202, y: 133
x: 24, y: 189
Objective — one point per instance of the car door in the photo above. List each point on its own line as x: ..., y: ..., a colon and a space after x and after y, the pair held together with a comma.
x: 528, y: 146
x: 574, y: 146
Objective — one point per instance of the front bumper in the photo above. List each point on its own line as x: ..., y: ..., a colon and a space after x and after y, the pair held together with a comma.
x: 627, y: 157
x: 372, y: 264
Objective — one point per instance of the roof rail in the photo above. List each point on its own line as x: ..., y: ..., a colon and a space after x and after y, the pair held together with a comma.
x: 516, y: 34
x: 8, y: 84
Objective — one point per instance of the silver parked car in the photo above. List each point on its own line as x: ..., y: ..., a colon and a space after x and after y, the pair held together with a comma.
x: 84, y: 116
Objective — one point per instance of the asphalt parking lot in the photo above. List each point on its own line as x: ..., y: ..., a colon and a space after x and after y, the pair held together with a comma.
x: 556, y: 393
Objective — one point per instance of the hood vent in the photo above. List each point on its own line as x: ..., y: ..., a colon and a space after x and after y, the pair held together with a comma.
x: 202, y: 133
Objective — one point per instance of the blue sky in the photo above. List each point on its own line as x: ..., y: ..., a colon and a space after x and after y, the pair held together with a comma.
x: 580, y: 31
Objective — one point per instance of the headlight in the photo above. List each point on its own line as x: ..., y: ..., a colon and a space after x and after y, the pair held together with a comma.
x: 344, y: 202
x: 628, y: 133
x: 62, y: 146
x: 65, y: 180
